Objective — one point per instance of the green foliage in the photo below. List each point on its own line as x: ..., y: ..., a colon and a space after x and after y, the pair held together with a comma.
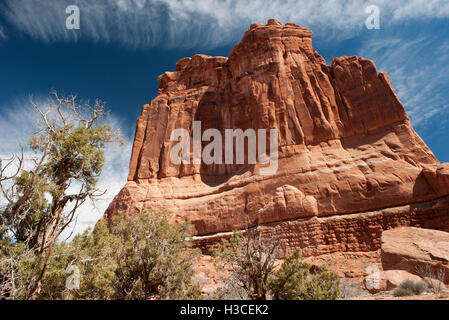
x: 254, y: 263
x: 97, y: 263
x: 68, y: 150
x: 93, y: 254
x: 30, y: 215
x: 154, y: 258
x: 410, y: 288
x: 15, y: 264
x: 137, y: 257
x: 293, y: 281
x: 324, y: 285
x: 75, y: 153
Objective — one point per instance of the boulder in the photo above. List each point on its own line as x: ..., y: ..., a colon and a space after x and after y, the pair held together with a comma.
x: 419, y: 251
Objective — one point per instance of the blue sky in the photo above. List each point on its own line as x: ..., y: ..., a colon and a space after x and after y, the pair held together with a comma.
x: 123, y: 45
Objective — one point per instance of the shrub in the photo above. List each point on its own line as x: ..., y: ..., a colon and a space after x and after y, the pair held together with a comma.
x: 252, y: 260
x: 230, y: 290
x: 138, y: 257
x: 350, y: 289
x: 154, y: 260
x: 410, y: 288
x: 434, y: 277
x: 293, y: 281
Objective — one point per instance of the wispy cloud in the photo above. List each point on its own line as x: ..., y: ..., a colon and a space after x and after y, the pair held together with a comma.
x: 2, y: 33
x: 18, y: 123
x: 205, y: 23
x: 417, y: 9
x: 417, y: 70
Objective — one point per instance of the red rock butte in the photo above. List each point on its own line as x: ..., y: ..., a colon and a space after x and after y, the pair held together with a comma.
x: 350, y: 163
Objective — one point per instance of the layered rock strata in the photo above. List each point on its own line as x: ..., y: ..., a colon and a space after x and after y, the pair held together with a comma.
x: 350, y: 164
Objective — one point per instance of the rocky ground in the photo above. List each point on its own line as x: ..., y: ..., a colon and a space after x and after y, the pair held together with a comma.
x: 416, y: 254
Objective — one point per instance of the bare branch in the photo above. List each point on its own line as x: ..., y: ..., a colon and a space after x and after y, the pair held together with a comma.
x: 43, y: 115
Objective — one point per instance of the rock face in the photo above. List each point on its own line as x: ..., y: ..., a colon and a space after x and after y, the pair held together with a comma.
x: 350, y: 164
x: 419, y: 251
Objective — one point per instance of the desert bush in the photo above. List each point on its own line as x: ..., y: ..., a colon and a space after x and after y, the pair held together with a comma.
x: 433, y: 278
x: 138, y: 257
x: 293, y: 281
x: 410, y: 288
x: 230, y: 290
x: 254, y: 262
x: 350, y: 289
x: 251, y: 259
x: 154, y: 259
x: 93, y: 254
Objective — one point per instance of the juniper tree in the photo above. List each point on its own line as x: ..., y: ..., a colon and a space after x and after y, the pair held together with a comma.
x: 154, y: 258
x: 294, y: 281
x: 45, y: 191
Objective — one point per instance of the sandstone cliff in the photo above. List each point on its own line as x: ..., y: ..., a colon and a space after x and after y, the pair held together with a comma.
x: 350, y: 164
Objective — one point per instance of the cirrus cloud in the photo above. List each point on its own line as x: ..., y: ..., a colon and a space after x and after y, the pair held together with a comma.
x: 2, y: 33
x: 201, y: 23
x: 416, y: 69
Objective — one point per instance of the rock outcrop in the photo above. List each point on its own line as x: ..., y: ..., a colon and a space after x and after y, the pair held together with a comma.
x: 419, y: 251
x: 349, y: 165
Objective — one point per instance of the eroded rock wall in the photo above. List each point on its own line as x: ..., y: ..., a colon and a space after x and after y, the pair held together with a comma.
x: 346, y: 147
